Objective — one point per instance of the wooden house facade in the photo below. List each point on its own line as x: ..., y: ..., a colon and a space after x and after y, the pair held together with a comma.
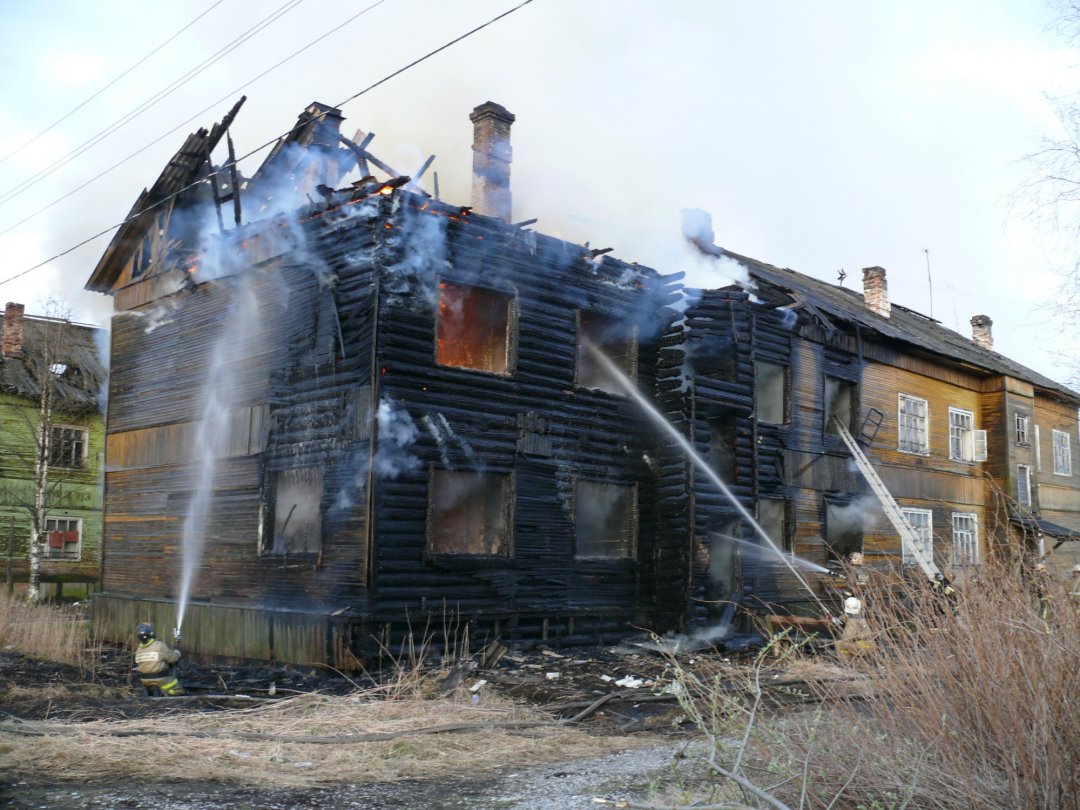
x: 978, y: 452
x: 358, y: 414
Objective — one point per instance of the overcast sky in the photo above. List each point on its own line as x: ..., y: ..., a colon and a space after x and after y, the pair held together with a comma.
x: 820, y: 135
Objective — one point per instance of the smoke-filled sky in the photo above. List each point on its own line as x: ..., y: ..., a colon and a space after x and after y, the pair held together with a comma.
x: 820, y: 136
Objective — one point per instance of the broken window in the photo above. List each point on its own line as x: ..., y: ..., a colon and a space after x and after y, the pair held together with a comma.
x: 722, y: 444
x: 921, y: 520
x: 605, y: 520
x: 298, y: 511
x: 1062, y: 453
x: 1021, y: 429
x: 714, y: 356
x: 772, y: 517
x: 965, y: 539
x: 771, y: 392
x: 473, y: 328
x: 63, y: 538
x: 470, y: 513
x: 1023, y: 485
x: 844, y: 528
x: 615, y: 341
x: 723, y: 568
x: 913, y: 425
x: 839, y: 403
x: 67, y: 447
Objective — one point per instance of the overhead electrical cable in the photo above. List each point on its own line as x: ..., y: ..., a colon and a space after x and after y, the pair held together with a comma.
x: 78, y: 107
x: 161, y: 95
x: 187, y: 121
x: 269, y: 143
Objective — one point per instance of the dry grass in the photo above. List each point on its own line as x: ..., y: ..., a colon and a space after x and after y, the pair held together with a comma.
x: 163, y: 745
x: 42, y: 631
x: 961, y: 705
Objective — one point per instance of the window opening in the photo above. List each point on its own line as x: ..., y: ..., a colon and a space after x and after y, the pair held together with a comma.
x: 723, y: 568
x: 839, y: 403
x: 913, y: 425
x: 471, y: 513
x: 771, y: 392
x: 965, y: 538
x: 298, y: 511
x: 605, y: 520
x: 67, y: 447
x: 962, y: 435
x: 63, y: 538
x: 1062, y: 453
x: 473, y: 328
x: 843, y: 529
x: 772, y: 517
x: 723, y: 434
x: 1023, y: 485
x: 921, y: 520
x: 615, y: 340
x: 1021, y: 429
x: 1038, y: 450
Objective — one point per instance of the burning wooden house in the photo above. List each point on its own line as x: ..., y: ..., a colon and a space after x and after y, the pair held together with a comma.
x: 372, y: 414
x: 341, y: 416
x: 846, y: 424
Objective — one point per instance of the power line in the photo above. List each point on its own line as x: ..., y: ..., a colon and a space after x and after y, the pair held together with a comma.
x: 258, y: 149
x: 161, y: 137
x: 161, y: 95
x: 71, y: 112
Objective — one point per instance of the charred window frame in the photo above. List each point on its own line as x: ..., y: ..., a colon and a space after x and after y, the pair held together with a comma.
x: 613, y: 338
x: 62, y: 538
x: 723, y: 446
x: 965, y: 539
x: 67, y: 446
x: 772, y: 384
x: 774, y: 517
x: 476, y: 328
x: 844, y: 528
x: 725, y: 567
x: 922, y: 522
x: 470, y: 513
x: 296, y: 512
x: 1023, y: 485
x: 1021, y: 426
x: 841, y: 403
x: 605, y: 520
x: 913, y: 425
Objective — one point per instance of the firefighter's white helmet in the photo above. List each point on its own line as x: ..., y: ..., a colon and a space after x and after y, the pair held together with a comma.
x: 852, y: 606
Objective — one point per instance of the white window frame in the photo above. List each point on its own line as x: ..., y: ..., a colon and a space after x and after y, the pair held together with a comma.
x: 925, y: 534
x: 1023, y: 485
x: 924, y: 448
x: 1062, y: 453
x: 965, y: 539
x: 961, y: 425
x: 1021, y: 428
x: 47, y: 551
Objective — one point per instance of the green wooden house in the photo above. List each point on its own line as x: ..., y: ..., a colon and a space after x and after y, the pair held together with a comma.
x: 67, y: 357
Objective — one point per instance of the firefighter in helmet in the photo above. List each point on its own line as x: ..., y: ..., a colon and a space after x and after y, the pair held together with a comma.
x: 156, y: 663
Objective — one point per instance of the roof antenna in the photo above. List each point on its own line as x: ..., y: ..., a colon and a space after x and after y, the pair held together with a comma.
x: 841, y: 275
x: 929, y: 280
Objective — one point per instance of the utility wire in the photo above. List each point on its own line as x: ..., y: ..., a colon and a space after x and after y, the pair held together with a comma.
x: 162, y: 201
x: 232, y: 92
x: 67, y: 115
x: 161, y: 95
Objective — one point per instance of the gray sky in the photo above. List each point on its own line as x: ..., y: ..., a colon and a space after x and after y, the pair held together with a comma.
x: 820, y: 135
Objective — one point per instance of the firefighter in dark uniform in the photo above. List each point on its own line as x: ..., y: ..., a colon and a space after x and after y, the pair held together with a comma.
x: 156, y: 663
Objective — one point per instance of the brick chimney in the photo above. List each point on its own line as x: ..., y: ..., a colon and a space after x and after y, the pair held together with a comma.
x: 876, y: 291
x: 491, y: 160
x: 980, y: 331
x: 11, y: 334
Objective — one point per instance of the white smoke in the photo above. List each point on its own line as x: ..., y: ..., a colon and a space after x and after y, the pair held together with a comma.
x: 397, y: 433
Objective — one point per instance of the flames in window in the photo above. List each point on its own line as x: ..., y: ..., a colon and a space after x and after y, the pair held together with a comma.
x: 474, y: 328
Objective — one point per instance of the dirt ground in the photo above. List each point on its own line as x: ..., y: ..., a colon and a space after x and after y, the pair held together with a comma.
x: 639, y: 724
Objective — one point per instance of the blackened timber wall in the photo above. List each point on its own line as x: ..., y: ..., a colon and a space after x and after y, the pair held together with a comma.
x: 533, y: 423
